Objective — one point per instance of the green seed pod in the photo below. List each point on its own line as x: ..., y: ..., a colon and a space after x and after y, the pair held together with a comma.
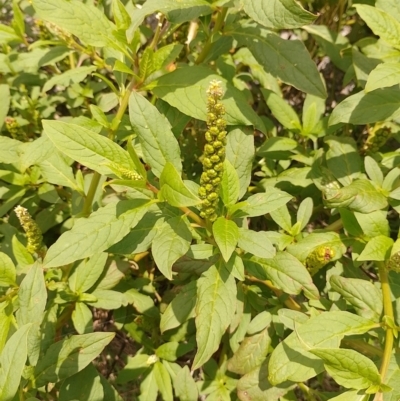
x: 207, y: 162
x: 213, y: 217
x: 217, y: 144
x: 212, y: 196
x: 209, y: 149
x: 209, y: 211
x: 32, y: 230
x: 202, y: 192
x: 209, y: 187
x: 211, y: 117
x: 213, y: 131
x: 221, y: 153
x: 208, y: 137
x: 204, y: 178
x: 220, y: 123
x: 219, y: 108
x: 214, y: 158
x: 203, y: 215
x: 219, y: 167
x: 216, y: 181
x: 206, y: 203
x: 211, y: 101
x: 212, y: 173
x: 221, y: 136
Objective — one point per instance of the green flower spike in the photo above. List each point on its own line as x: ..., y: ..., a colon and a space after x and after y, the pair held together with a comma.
x: 214, y: 152
x: 32, y: 230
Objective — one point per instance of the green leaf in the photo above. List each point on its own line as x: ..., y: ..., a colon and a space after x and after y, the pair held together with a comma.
x: 240, y: 153
x: 172, y: 350
x: 381, y: 23
x: 12, y: 362
x: 107, y: 299
x: 255, y: 386
x: 173, y: 189
x: 384, y: 75
x: 94, y: 234
x: 291, y: 360
x: 256, y: 243
x: 176, y: 11
x: 286, y: 273
x: 158, y: 143
x: 363, y: 295
x: 282, y: 217
x: 288, y: 60
x: 170, y: 243
x: 251, y: 353
x: 55, y: 170
x: 304, y: 246
x: 373, y: 170
x: 7, y: 271
x: 373, y: 224
x: 214, y: 311
x: 142, y: 303
x: 343, y: 159
x: 90, y: 387
x: 365, y: 108
x: 304, y: 212
x: 32, y: 296
x: 185, y: 386
x: 260, y: 204
x: 163, y: 380
x: 186, y: 89
x: 360, y: 196
x: 69, y: 77
x: 87, y: 273
x: 69, y: 356
x: 349, y: 368
x: 278, y: 14
x: 85, y: 21
x: 281, y: 110
x: 377, y: 249
x: 82, y: 318
x: 181, y: 308
x: 226, y: 235
x: 146, y: 63
x: 88, y: 148
x: 9, y: 149
x: 148, y: 388
x: 121, y: 16
x: 229, y: 189
x: 4, y: 107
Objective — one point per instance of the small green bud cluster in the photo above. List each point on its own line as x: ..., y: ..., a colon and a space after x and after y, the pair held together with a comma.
x: 394, y: 263
x: 318, y: 258
x: 214, y: 152
x: 377, y: 137
x: 12, y: 126
x: 32, y: 230
x: 125, y: 173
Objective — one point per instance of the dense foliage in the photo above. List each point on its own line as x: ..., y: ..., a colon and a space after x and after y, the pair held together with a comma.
x: 199, y: 200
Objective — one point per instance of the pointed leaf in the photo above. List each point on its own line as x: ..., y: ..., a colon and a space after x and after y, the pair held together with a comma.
x: 159, y: 144
x: 214, y: 311
x: 226, y: 235
x: 170, y: 243
x: 229, y: 190
x: 88, y: 148
x: 94, y: 234
x: 173, y: 189
x: 69, y: 356
x: 12, y: 362
x: 256, y: 243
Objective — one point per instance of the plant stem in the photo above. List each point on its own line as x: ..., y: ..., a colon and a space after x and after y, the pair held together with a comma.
x: 387, y: 311
x: 335, y: 226
x: 217, y: 26
x: 156, y: 37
